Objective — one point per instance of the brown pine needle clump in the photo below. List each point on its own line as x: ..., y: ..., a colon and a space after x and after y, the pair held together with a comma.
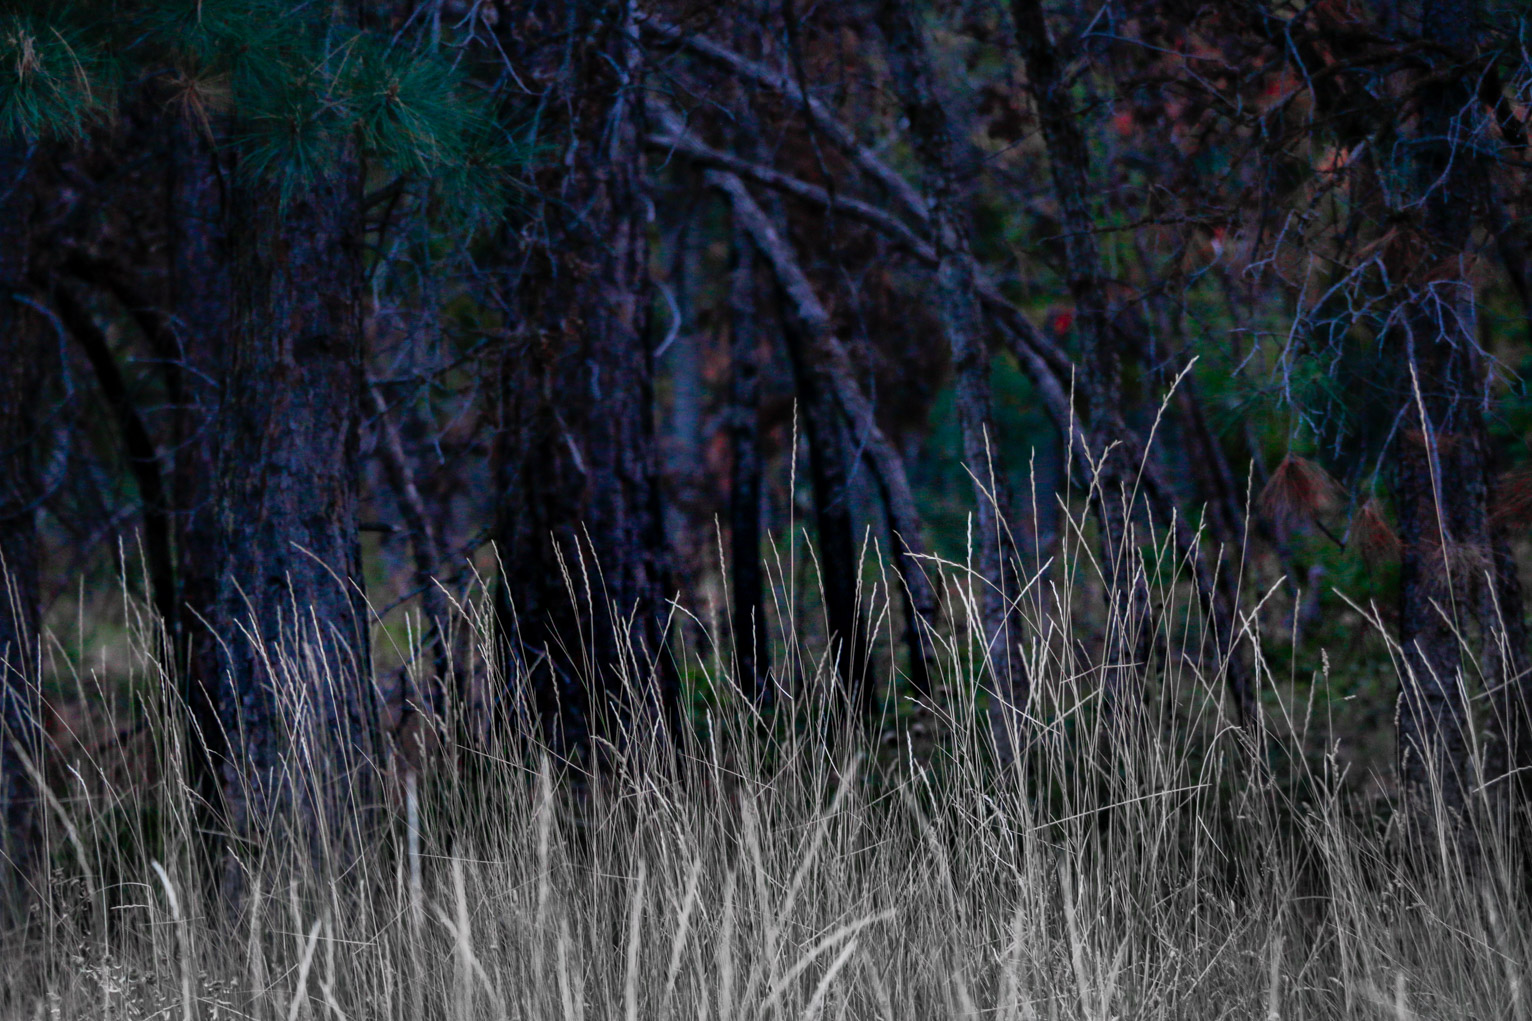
x: 1373, y: 536
x: 1454, y: 565
x: 1298, y: 492
x: 1511, y: 501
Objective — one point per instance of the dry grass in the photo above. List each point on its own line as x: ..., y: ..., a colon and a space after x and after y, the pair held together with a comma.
x: 1163, y: 866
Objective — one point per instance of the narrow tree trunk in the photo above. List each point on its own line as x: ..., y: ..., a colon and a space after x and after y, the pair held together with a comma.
x: 830, y: 477
x: 958, y: 306
x: 296, y: 690
x: 752, y: 655
x: 582, y: 599
x: 425, y: 550
x: 1220, y: 595
x: 138, y: 445
x: 21, y: 414
x: 830, y: 356
x: 682, y: 439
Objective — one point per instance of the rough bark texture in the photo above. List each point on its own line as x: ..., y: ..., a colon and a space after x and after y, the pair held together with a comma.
x: 582, y: 601
x: 752, y: 655
x: 1444, y: 456
x: 957, y: 301
x: 199, y: 301
x: 21, y: 351
x: 295, y: 684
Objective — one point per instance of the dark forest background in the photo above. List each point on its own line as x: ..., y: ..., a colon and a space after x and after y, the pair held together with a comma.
x: 884, y: 328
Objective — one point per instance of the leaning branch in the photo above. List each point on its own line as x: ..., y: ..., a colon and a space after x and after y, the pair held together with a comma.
x: 814, y: 320
x: 423, y: 544
x: 138, y: 444
x: 839, y: 135
x: 677, y: 139
x: 1048, y: 364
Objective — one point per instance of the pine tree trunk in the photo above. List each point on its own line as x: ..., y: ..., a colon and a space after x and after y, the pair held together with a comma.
x: 199, y: 298
x: 581, y: 602
x: 22, y: 352
x: 1443, y: 459
x: 296, y: 691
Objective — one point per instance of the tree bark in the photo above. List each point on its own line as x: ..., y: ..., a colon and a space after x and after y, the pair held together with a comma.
x: 199, y: 299
x: 958, y: 306
x: 20, y: 492
x: 1443, y: 460
x: 138, y: 445
x: 582, y: 600
x: 425, y: 550
x: 296, y: 695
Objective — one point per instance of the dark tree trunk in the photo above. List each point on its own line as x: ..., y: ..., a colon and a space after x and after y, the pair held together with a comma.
x: 581, y: 602
x: 1441, y: 493
x: 425, y: 550
x: 1219, y: 495
x: 22, y: 352
x: 296, y: 692
x: 1443, y: 460
x: 185, y: 325
x: 830, y: 476
x: 199, y: 301
x: 752, y: 655
x: 958, y: 306
x: 138, y: 444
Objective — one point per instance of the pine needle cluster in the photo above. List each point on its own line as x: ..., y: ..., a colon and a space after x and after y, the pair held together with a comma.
x: 286, y: 87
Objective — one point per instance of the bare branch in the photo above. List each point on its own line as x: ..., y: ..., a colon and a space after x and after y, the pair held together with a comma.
x: 839, y: 135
